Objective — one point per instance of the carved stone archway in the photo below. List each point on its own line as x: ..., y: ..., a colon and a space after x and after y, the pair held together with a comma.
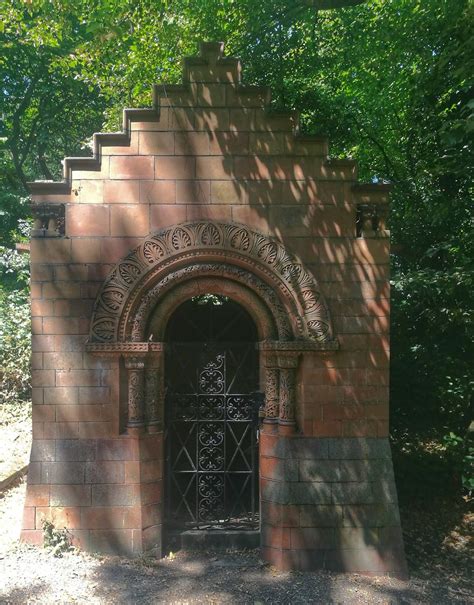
x: 210, y: 241
x: 189, y: 259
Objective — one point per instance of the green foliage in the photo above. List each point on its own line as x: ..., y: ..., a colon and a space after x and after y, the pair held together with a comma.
x: 15, y: 331
x: 56, y: 541
x: 460, y: 453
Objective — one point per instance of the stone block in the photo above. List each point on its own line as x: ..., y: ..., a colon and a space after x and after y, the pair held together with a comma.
x: 352, y: 493
x: 105, y: 472
x: 151, y: 515
x: 131, y: 149
x: 156, y: 143
x: 228, y: 143
x: 60, y: 517
x: 178, y: 167
x: 70, y: 495
x: 171, y: 118
x: 117, y: 449
x: 60, y: 473
x: 44, y: 413
x: 305, y: 449
x: 266, y: 143
x: 28, y: 521
x: 32, y: 536
x: 278, y: 469
x: 112, y: 250
x: 110, y: 517
x: 43, y: 378
x: 61, y: 395
x: 275, y: 537
x: 319, y: 470
x: 229, y: 192
x: 122, y: 192
x: 165, y: 216
x: 210, y: 118
x: 358, y: 449
x: 43, y: 450
x: 87, y: 220
x: 321, y: 516
x: 215, y: 167
x: 131, y: 167
x: 129, y: 220
x: 75, y: 450
x: 41, y: 272
x: 370, y: 515
x: 152, y: 539
x: 78, y: 378
x: 94, y: 395
x: 115, y: 495
x: 88, y: 192
x: 151, y: 493
x: 193, y: 192
x: 213, y: 212
x: 191, y: 143
x: 364, y: 470
x: 314, y: 538
x: 210, y: 94
x: 310, y: 493
x: 158, y: 192
x: 37, y: 495
x: 34, y: 473
x: 62, y: 360
x: 50, y: 250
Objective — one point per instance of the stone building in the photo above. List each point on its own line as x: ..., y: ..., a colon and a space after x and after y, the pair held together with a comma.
x: 210, y: 305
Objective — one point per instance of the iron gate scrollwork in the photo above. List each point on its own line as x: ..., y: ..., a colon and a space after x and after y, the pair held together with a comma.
x: 211, y: 436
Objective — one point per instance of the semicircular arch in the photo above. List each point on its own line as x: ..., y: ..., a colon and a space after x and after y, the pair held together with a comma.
x: 179, y: 247
x: 260, y: 311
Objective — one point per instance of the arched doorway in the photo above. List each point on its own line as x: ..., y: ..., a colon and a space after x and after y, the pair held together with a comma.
x: 211, y: 423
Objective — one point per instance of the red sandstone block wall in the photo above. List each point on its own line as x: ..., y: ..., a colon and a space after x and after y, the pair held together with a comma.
x: 214, y: 153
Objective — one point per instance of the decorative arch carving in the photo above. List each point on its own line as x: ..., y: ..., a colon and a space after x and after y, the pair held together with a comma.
x: 269, y: 327
x: 260, y: 262
x: 223, y: 274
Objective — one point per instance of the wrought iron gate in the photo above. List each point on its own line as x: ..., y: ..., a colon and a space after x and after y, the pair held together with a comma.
x: 211, y: 436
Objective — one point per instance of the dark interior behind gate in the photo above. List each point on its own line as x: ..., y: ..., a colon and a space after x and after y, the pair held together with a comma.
x: 212, y: 404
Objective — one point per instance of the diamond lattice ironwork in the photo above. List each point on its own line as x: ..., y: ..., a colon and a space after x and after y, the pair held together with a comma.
x: 211, y: 437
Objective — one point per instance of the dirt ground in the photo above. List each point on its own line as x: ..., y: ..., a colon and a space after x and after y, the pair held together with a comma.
x: 15, y: 442
x: 439, y: 572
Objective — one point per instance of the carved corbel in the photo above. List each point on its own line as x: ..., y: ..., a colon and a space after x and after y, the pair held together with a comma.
x: 49, y: 220
x: 371, y: 220
x: 136, y: 391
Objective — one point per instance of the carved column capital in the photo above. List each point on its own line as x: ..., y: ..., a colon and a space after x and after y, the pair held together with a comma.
x: 136, y: 385
x: 272, y: 392
x: 154, y: 390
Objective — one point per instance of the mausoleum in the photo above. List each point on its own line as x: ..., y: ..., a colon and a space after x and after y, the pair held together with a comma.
x: 210, y: 305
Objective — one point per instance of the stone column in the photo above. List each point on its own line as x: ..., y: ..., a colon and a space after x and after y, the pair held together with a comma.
x: 136, y: 391
x: 288, y: 366
x: 154, y: 392
x: 272, y: 389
